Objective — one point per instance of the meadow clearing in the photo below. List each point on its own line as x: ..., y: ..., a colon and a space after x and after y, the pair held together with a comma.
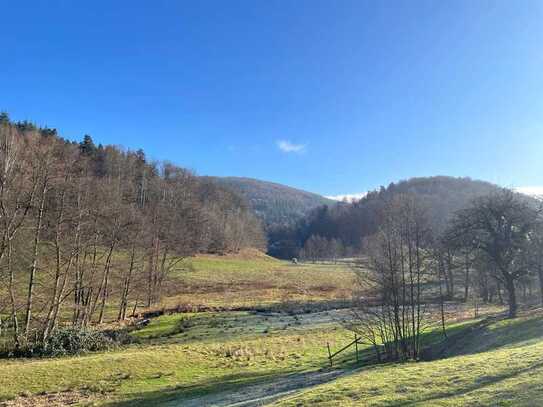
x: 263, y: 341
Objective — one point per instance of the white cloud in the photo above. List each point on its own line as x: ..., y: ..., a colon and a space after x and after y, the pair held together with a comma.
x: 288, y: 147
x: 531, y: 190
x: 348, y: 197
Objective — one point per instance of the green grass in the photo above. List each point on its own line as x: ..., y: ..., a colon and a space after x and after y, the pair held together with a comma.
x: 181, y: 356
x: 230, y: 281
x: 216, y: 351
x: 184, y: 355
x: 500, y: 365
x: 246, y: 279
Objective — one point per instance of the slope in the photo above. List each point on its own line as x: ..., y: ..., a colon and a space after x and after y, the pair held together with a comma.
x: 276, y: 204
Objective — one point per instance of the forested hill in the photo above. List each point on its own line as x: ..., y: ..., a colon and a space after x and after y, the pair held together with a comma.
x: 277, y: 205
x: 86, y: 226
x: 442, y: 196
x: 162, y: 198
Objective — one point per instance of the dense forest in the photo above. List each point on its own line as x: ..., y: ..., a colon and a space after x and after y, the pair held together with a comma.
x: 88, y: 228
x: 278, y: 206
x: 346, y: 225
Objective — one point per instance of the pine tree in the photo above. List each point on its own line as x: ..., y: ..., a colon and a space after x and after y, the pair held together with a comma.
x: 4, y: 118
x: 87, y: 146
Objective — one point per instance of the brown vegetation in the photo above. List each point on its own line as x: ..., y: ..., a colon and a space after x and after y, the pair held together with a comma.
x: 88, y: 231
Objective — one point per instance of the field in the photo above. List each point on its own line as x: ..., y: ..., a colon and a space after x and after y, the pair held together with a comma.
x: 251, y: 279
x: 274, y: 352
x: 498, y: 365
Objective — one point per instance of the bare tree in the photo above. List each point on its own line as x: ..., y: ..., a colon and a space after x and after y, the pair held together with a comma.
x: 80, y: 224
x: 535, y: 256
x: 498, y: 226
x: 396, y: 269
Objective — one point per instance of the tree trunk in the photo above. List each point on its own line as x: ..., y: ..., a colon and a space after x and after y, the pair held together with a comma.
x: 449, y: 277
x: 61, y: 297
x: 540, y: 275
x: 441, y: 303
x: 466, y: 281
x: 104, y: 286
x: 34, y: 265
x: 14, y: 319
x: 126, y: 287
x: 510, y: 286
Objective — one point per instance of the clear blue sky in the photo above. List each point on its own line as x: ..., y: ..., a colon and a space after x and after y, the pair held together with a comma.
x: 358, y: 93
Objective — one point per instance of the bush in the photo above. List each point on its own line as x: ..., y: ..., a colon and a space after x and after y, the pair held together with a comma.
x: 70, y: 341
x: 73, y: 341
x: 119, y: 336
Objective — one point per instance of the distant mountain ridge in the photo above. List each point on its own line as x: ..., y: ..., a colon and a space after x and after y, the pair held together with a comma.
x: 291, y: 215
x: 275, y: 204
x: 441, y: 196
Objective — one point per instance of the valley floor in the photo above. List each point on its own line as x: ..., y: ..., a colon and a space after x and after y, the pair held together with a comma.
x: 271, y: 356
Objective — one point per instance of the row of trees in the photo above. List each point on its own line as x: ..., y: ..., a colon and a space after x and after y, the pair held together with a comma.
x: 318, y: 248
x: 409, y: 268
x: 499, y: 237
x: 86, y: 228
x: 390, y: 308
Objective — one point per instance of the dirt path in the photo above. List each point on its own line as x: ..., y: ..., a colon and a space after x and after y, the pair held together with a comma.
x: 260, y: 394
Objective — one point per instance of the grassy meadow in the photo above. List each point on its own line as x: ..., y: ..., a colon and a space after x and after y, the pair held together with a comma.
x: 275, y: 354
x: 251, y: 279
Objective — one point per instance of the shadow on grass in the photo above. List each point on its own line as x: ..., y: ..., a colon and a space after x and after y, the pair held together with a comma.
x: 181, y: 392
x: 472, y: 338
x: 486, y: 336
x: 479, y: 384
x: 468, y: 339
x: 227, y: 389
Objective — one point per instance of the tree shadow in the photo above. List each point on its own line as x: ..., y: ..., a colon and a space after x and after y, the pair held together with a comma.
x: 222, y: 383
x: 230, y: 383
x: 481, y: 336
x: 486, y: 336
x: 481, y: 383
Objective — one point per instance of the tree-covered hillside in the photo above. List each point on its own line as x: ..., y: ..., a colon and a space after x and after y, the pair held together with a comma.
x: 86, y: 227
x: 277, y: 205
x: 351, y: 223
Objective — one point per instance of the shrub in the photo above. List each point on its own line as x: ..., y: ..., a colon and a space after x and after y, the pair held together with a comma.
x: 70, y: 341
x: 73, y: 341
x: 119, y: 336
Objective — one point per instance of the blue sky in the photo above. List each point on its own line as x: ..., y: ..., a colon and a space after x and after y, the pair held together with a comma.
x: 330, y: 96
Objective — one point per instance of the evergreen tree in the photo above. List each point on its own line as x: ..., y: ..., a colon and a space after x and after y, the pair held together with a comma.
x: 87, y: 146
x: 4, y: 118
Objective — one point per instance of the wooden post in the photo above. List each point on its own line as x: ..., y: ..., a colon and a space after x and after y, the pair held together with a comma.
x: 329, y: 353
x: 356, y: 346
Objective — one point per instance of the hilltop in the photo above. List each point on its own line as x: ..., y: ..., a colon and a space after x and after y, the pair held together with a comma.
x: 441, y: 197
x: 276, y: 204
